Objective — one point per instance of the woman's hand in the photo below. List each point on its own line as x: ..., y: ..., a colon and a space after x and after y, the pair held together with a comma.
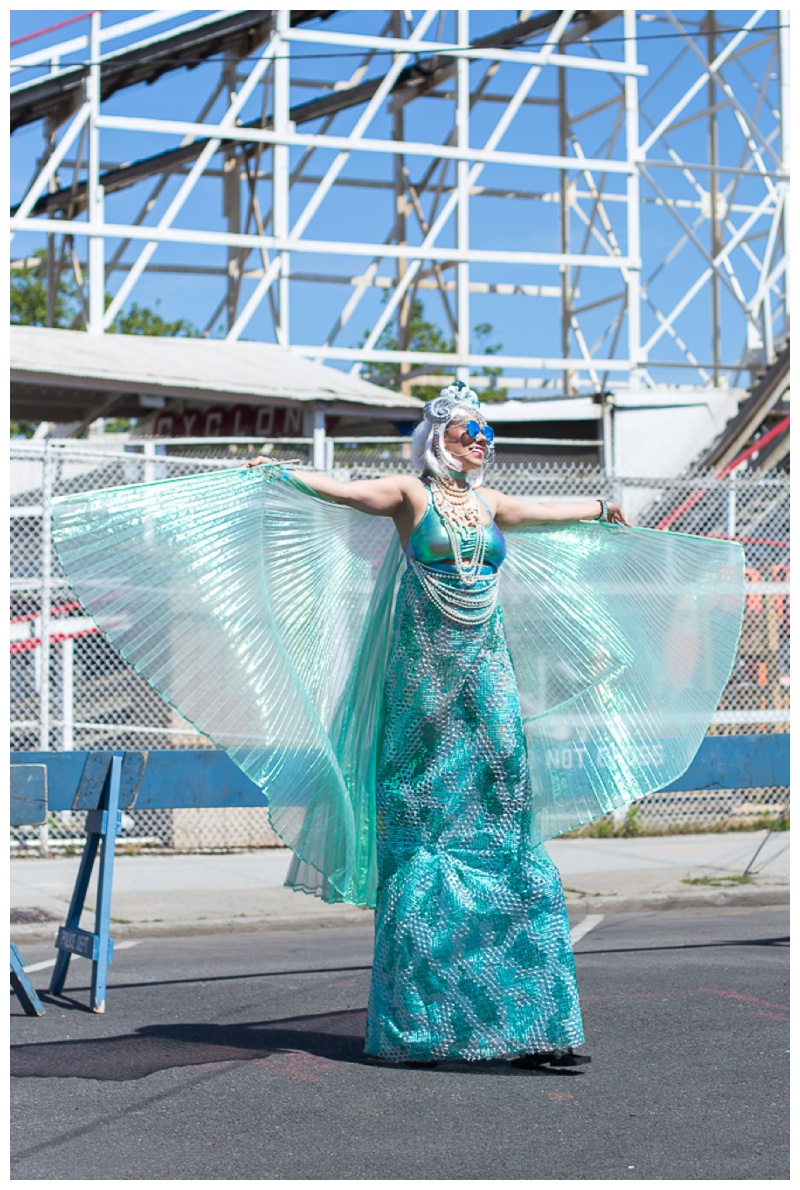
x: 262, y: 459
x: 616, y: 515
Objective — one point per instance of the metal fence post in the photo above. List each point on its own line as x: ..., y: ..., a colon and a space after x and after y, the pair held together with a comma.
x: 149, y: 465
x: 319, y: 453
x: 48, y: 463
x: 97, y: 245
x: 732, y: 508
x: 67, y: 694
x: 46, y: 598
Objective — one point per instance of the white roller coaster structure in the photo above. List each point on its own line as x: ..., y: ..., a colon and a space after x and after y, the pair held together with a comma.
x: 639, y: 266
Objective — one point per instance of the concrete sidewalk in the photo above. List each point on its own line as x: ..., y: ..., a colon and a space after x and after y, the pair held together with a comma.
x: 196, y: 894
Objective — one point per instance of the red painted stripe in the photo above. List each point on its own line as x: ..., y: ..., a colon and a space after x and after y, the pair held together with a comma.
x: 21, y: 646
x: 754, y: 447
x: 749, y: 540
x: 59, y: 636
x: 726, y: 470
x: 52, y: 28
x: 683, y: 507
x: 746, y: 999
x: 54, y: 611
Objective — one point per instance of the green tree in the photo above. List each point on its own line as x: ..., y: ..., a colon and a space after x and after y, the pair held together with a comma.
x: 29, y: 304
x: 22, y: 429
x: 29, y: 294
x: 144, y: 320
x: 29, y: 308
x: 425, y: 336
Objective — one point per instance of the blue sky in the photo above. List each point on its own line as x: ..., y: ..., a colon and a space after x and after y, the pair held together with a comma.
x: 523, y: 324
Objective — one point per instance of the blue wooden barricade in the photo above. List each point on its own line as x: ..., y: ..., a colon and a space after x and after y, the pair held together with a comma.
x: 28, y: 808
x: 103, y: 822
x: 737, y: 762
x: 105, y: 783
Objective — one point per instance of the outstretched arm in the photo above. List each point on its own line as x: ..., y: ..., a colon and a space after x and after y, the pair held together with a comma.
x: 513, y: 512
x: 381, y: 497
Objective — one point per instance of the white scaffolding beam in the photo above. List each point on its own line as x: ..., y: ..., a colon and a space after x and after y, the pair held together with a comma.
x: 560, y: 121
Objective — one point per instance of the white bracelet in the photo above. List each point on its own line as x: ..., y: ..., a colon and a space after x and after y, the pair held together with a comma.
x: 603, y: 510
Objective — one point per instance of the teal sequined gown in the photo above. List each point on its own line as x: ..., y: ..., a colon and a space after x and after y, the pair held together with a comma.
x: 401, y: 756
x: 472, y: 948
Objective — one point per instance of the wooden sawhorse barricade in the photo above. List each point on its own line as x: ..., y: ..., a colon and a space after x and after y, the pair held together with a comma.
x: 105, y: 784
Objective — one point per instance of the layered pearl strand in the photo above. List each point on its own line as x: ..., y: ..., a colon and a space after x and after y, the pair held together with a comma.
x: 462, y: 605
x: 460, y: 513
x: 455, y: 504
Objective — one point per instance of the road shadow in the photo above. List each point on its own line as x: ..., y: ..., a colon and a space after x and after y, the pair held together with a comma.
x: 302, y: 1047
x: 337, y: 1036
x: 781, y: 941
x: 239, y: 975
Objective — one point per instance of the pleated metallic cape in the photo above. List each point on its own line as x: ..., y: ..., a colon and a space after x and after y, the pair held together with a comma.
x: 263, y: 612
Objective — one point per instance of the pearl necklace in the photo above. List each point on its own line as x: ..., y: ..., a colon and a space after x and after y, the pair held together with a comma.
x: 460, y: 512
x: 462, y: 605
x: 460, y: 600
x: 456, y: 504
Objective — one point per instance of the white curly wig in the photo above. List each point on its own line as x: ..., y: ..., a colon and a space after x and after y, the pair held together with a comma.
x: 428, y: 453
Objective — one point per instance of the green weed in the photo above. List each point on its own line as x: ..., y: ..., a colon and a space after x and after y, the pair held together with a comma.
x: 717, y: 881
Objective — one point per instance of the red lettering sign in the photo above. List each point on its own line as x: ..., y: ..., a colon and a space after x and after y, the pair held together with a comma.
x: 238, y: 421
x: 214, y: 426
x: 241, y: 421
x: 265, y: 421
x: 191, y: 423
x: 164, y: 425
x: 293, y: 423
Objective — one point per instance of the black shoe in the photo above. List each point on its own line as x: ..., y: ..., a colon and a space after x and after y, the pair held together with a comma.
x: 569, y: 1058
x: 531, y: 1061
x: 550, y: 1058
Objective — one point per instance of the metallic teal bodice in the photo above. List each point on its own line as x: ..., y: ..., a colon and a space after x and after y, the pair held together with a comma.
x: 430, y: 544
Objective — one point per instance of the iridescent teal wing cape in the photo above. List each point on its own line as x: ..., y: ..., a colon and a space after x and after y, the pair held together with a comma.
x: 262, y: 613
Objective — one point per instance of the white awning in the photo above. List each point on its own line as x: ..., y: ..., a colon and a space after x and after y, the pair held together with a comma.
x: 71, y: 364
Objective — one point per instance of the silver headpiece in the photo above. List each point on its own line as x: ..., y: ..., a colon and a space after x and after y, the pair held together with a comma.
x: 440, y: 409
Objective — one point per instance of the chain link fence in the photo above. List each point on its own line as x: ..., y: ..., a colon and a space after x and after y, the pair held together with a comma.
x: 71, y: 690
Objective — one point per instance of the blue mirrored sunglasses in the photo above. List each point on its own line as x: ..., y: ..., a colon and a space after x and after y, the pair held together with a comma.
x: 474, y: 428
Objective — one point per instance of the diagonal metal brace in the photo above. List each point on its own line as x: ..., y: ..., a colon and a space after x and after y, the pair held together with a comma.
x: 102, y: 827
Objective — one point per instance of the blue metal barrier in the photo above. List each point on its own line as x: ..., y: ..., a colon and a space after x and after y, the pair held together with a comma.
x: 737, y: 762
x: 105, y: 783
x: 28, y: 808
x: 159, y: 779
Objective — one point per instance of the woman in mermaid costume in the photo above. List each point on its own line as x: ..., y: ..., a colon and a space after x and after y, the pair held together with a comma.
x: 416, y: 741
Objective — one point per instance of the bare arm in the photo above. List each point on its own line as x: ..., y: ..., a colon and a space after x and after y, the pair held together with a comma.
x: 381, y: 497
x: 513, y: 512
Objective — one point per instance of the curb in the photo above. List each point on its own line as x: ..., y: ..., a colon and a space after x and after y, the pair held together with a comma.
x: 120, y: 931
x: 720, y: 898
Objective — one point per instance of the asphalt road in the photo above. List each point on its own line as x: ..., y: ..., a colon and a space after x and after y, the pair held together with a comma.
x: 239, y: 1057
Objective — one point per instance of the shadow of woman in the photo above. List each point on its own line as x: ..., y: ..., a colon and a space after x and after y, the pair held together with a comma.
x: 335, y: 1036
x: 303, y: 1047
